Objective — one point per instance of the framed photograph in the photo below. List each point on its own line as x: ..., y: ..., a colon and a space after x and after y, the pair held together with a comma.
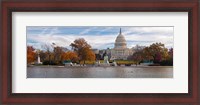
x: 100, y: 52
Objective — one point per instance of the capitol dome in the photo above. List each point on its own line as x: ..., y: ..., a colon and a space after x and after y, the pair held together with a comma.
x: 120, y: 41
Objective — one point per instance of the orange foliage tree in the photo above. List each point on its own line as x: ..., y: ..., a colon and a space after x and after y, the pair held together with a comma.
x: 57, y: 54
x: 70, y: 56
x: 30, y: 54
x: 156, y: 51
x: 83, y: 49
x: 88, y: 54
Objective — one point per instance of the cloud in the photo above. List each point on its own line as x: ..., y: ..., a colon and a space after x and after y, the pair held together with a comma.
x: 99, y: 37
x: 85, y: 31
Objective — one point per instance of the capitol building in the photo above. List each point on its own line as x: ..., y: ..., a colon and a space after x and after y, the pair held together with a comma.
x: 120, y: 50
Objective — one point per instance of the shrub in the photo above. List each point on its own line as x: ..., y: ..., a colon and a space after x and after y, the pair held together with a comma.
x: 49, y: 63
x: 127, y: 64
x: 166, y: 63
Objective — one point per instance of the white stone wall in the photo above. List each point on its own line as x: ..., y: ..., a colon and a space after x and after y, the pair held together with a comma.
x: 120, y: 53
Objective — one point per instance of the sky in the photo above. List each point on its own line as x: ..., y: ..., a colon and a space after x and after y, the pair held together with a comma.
x: 99, y: 37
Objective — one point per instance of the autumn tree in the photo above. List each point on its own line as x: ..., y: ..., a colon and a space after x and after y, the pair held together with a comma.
x: 171, y: 55
x: 88, y: 54
x: 47, y: 48
x: 43, y: 56
x: 70, y: 55
x: 169, y: 60
x: 158, y: 57
x: 30, y: 54
x: 147, y: 54
x: 170, y: 52
x: 57, y: 54
x: 83, y: 49
x: 138, y: 48
x: 137, y: 57
x: 156, y: 52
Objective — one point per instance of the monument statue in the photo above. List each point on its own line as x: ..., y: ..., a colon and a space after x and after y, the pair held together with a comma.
x: 106, y: 59
x: 38, y: 58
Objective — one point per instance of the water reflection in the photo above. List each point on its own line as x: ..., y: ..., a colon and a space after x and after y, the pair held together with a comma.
x: 99, y: 72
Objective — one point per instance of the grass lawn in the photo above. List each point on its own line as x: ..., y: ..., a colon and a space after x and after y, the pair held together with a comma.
x: 122, y: 62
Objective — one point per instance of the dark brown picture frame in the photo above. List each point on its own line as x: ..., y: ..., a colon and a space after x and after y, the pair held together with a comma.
x: 9, y: 6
